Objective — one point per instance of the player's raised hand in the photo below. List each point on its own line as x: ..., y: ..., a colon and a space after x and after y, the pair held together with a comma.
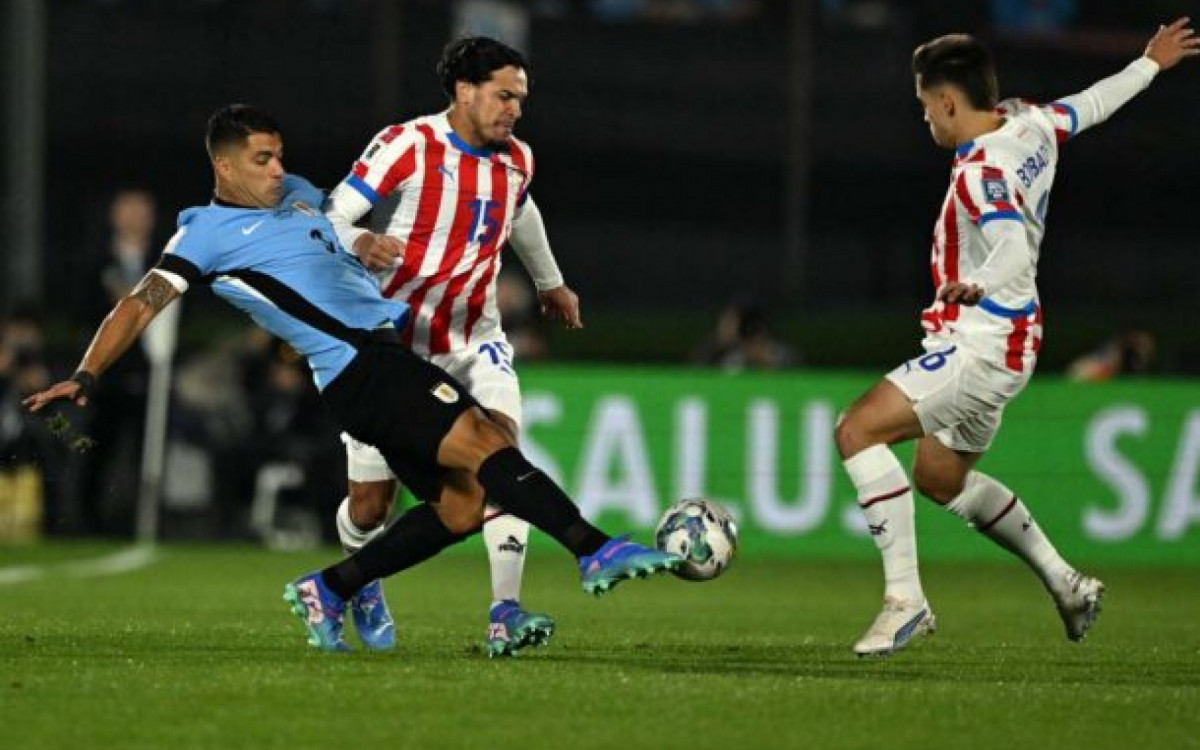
x: 71, y: 390
x: 378, y: 251
x: 958, y: 293
x: 560, y: 303
x: 1173, y: 43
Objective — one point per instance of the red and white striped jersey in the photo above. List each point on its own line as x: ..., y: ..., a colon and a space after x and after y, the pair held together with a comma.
x: 1005, y: 175
x: 452, y: 205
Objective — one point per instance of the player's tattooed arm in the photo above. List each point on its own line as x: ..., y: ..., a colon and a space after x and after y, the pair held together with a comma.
x: 114, y: 337
x: 155, y: 292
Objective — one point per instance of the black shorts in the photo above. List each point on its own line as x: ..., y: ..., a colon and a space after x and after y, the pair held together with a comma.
x: 402, y: 405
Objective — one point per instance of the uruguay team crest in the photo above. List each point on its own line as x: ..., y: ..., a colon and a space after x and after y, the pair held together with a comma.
x: 995, y: 190
x: 445, y: 393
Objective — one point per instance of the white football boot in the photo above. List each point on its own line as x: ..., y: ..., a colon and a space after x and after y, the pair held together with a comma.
x: 898, y: 623
x: 1078, y: 601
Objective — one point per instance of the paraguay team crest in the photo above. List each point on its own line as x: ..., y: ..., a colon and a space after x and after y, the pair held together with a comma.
x: 995, y: 190
x: 445, y: 393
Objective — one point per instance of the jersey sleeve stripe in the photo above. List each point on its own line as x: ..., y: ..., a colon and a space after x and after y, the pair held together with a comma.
x: 994, y: 215
x: 365, y: 190
x: 987, y: 304
x: 1068, y: 110
x: 181, y: 267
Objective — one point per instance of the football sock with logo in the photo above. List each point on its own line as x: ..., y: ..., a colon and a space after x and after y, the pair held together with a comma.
x: 524, y: 490
x: 886, y: 500
x: 415, y: 536
x: 349, y: 534
x: 994, y: 511
x: 505, y: 537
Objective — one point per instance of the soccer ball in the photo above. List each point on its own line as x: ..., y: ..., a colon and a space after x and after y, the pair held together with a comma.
x: 702, y: 533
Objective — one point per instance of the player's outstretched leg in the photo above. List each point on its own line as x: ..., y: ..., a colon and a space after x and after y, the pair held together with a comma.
x: 525, y: 491
x: 895, y: 626
x: 321, y: 611
x: 510, y: 628
x: 997, y: 513
x: 620, y: 560
x: 368, y: 608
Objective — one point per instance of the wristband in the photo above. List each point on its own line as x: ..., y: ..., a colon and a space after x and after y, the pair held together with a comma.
x: 86, y: 381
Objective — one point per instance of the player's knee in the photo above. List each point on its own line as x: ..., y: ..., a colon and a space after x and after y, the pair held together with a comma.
x: 849, y: 437
x: 460, y: 514
x: 935, y: 485
x: 370, y: 503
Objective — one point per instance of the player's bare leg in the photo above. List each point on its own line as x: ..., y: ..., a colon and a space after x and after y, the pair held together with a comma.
x: 880, y: 417
x: 948, y: 478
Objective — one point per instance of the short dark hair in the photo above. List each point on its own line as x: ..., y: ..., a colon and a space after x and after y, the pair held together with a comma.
x: 473, y: 59
x: 234, y: 123
x: 960, y: 60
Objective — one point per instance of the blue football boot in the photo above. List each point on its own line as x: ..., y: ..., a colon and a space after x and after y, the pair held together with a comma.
x: 372, y: 619
x: 619, y: 560
x: 511, y: 629
x: 321, y: 611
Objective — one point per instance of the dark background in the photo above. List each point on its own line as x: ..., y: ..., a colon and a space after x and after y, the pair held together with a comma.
x: 662, y: 148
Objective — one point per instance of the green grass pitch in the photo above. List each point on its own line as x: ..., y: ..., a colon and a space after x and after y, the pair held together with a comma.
x: 197, y: 650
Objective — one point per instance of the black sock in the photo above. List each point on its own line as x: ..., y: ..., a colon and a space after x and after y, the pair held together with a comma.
x: 525, y: 491
x: 415, y: 537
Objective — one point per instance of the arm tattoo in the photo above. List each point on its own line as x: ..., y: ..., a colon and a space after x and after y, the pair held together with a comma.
x: 154, y: 291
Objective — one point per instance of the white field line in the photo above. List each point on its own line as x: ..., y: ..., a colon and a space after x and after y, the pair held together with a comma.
x: 122, y: 561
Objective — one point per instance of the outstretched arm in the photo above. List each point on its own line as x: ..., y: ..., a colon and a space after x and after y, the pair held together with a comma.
x: 531, y: 245
x: 1166, y: 49
x: 115, y: 335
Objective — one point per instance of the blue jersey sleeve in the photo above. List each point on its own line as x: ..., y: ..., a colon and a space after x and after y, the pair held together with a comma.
x: 296, y: 189
x: 194, y: 251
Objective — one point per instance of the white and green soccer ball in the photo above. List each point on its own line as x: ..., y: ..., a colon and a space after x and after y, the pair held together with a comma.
x: 702, y: 533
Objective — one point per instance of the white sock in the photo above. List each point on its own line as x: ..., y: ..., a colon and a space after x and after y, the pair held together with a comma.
x: 505, y: 537
x: 352, y: 537
x: 994, y: 511
x: 886, y: 500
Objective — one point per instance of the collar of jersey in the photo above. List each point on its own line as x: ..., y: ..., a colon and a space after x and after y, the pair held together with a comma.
x: 465, y: 147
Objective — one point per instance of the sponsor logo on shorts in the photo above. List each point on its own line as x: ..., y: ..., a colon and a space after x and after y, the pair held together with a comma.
x: 445, y: 393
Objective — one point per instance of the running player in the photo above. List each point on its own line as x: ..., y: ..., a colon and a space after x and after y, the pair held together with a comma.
x: 982, y: 332
x: 442, y: 194
x: 265, y: 247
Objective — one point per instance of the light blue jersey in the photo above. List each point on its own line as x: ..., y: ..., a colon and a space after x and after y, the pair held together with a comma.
x: 284, y: 267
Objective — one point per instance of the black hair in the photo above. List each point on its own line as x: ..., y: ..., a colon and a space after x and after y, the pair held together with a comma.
x: 960, y: 60
x: 473, y: 59
x: 234, y: 123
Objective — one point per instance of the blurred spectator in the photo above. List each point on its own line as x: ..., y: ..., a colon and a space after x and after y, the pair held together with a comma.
x: 518, y: 307
x: 743, y: 341
x: 109, y: 483
x: 25, y: 443
x: 1128, y: 353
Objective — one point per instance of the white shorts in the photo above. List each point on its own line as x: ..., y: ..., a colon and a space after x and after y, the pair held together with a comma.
x: 958, y: 398
x: 486, y: 370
